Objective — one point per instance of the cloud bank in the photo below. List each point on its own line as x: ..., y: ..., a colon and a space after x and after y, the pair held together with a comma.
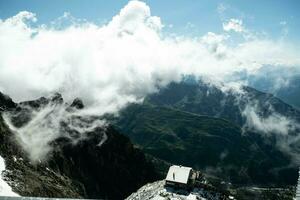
x: 111, y: 65
x: 119, y: 62
x: 49, y: 122
x: 273, y: 123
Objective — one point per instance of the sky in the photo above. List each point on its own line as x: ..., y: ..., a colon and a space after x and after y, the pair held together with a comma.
x: 80, y: 48
x: 113, y: 54
x: 272, y: 17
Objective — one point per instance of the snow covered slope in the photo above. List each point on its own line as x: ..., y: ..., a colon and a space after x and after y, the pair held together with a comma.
x: 5, y: 189
x: 157, y: 191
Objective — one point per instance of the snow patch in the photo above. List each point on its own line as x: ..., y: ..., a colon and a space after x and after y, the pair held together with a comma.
x: 5, y: 189
x: 157, y: 191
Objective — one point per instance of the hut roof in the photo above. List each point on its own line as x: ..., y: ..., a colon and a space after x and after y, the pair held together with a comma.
x: 178, y: 174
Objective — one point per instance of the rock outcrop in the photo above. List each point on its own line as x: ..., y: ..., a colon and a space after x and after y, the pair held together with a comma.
x: 102, y: 164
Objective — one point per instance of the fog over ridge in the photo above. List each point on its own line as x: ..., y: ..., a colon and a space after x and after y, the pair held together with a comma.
x: 122, y: 61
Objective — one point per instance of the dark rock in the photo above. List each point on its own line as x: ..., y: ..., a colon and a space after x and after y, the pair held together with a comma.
x: 34, y: 104
x: 113, y: 170
x: 56, y: 98
x: 6, y: 102
x: 77, y: 103
x: 80, y: 166
x: 22, y: 114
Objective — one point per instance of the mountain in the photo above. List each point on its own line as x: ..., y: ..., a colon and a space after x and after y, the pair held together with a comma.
x: 187, y: 123
x: 85, y: 169
x: 156, y: 190
x: 202, y: 126
x: 6, y: 102
x: 211, y: 144
x: 283, y: 82
x: 289, y: 92
x: 204, y: 99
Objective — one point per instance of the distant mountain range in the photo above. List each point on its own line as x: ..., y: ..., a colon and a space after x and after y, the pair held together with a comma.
x: 289, y: 93
x: 188, y: 123
x: 283, y: 82
x: 202, y: 126
x: 206, y: 99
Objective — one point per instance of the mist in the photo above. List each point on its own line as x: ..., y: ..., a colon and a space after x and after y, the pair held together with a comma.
x: 119, y: 62
x: 37, y: 128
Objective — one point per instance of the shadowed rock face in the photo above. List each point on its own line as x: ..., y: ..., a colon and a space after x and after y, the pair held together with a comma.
x: 86, y: 169
x: 77, y: 103
x: 6, y: 102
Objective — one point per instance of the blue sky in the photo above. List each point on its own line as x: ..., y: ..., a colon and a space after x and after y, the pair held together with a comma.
x: 124, y: 55
x: 186, y: 16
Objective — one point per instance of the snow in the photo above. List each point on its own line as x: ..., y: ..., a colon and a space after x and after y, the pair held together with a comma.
x: 157, y: 191
x: 5, y: 189
x: 178, y: 174
x: 191, y: 197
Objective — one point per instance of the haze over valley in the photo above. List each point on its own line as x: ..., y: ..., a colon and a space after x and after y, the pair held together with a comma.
x: 97, y: 103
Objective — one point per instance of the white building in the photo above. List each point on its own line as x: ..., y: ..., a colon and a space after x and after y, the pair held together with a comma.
x: 179, y: 176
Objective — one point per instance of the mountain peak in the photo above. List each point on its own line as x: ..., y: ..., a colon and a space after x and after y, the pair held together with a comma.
x: 157, y: 190
x: 6, y: 102
x: 77, y: 103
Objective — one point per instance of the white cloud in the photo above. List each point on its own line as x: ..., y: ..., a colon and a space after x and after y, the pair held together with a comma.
x: 215, y: 44
x: 121, y: 61
x: 21, y: 18
x: 46, y: 126
x: 234, y: 25
x: 273, y: 123
x: 135, y: 15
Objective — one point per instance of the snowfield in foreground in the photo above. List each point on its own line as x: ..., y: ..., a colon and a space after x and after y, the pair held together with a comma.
x: 157, y: 191
x: 5, y: 189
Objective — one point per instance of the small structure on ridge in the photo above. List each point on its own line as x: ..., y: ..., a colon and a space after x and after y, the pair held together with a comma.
x: 182, y: 177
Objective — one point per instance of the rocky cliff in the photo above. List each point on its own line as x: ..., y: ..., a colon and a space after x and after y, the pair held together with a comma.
x: 102, y: 164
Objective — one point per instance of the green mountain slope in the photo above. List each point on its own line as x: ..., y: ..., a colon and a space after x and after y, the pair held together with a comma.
x: 214, y: 145
x: 201, y: 125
